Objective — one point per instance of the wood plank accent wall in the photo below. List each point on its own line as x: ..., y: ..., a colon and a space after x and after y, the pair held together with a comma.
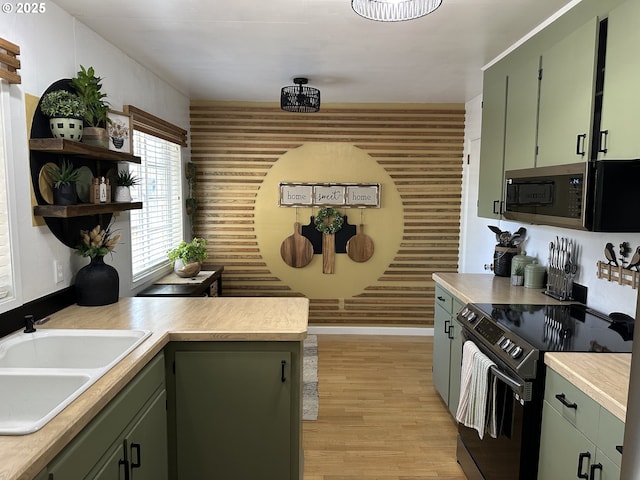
x: 233, y: 146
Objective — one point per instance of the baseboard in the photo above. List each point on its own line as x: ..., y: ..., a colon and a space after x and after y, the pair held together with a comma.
x: 410, y: 331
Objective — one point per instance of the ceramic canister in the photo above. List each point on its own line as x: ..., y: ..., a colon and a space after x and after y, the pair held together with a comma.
x: 520, y: 261
x: 534, y: 274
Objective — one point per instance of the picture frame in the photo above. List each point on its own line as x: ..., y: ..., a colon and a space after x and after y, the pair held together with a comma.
x: 120, y: 131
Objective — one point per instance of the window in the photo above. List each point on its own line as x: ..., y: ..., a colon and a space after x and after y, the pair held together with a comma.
x: 157, y: 227
x: 9, y: 294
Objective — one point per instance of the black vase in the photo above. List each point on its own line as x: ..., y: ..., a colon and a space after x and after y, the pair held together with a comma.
x: 65, y: 194
x: 97, y: 284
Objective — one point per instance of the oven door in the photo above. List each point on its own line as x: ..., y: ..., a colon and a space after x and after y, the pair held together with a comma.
x: 512, y: 454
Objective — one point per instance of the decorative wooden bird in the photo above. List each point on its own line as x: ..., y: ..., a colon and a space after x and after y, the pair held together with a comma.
x: 610, y: 254
x: 635, y: 260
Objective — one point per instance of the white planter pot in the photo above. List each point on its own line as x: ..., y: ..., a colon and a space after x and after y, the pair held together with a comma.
x: 67, y: 128
x: 191, y: 269
x: 123, y: 194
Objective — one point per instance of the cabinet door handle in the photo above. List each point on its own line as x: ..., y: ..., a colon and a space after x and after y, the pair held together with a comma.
x: 283, y: 377
x: 124, y: 463
x: 592, y: 470
x: 563, y: 400
x: 447, y: 326
x: 441, y: 298
x: 135, y: 448
x: 581, y: 139
x: 604, y: 136
x: 495, y: 205
x: 619, y: 448
x: 450, y: 332
x: 581, y: 458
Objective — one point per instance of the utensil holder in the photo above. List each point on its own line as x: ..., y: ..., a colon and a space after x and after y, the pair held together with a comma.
x: 502, y: 260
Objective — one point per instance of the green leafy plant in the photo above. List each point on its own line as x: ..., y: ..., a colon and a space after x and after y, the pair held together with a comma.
x: 518, y: 271
x: 87, y: 85
x: 126, y: 179
x: 195, y: 251
x: 62, y: 104
x: 66, y: 174
x: 97, y: 242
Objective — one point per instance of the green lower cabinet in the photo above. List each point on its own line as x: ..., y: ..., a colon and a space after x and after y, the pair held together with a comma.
x: 578, y: 435
x: 236, y: 414
x: 561, y: 447
x: 447, y: 348
x: 143, y: 452
x: 137, y: 415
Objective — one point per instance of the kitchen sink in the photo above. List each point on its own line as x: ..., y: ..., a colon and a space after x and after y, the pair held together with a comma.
x: 43, y: 372
x: 68, y: 348
x: 30, y: 399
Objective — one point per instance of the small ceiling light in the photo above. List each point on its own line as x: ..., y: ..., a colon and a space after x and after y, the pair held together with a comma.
x: 299, y: 98
x: 394, y: 10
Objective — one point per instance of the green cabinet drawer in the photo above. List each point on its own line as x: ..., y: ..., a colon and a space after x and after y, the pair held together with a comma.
x: 610, y: 435
x: 444, y: 299
x: 572, y: 404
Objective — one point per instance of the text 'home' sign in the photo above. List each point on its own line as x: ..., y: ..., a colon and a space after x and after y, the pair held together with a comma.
x: 348, y: 195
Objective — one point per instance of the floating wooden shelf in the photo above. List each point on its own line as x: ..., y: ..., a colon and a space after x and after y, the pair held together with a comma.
x: 67, y: 147
x: 83, y: 209
x: 613, y: 273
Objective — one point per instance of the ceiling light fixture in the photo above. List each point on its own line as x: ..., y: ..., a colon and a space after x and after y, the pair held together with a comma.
x: 298, y: 98
x: 394, y: 10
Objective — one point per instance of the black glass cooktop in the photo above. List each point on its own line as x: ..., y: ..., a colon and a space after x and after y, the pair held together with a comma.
x: 570, y: 328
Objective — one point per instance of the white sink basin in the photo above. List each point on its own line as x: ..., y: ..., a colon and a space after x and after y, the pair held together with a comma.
x: 43, y: 372
x: 29, y: 399
x: 62, y: 348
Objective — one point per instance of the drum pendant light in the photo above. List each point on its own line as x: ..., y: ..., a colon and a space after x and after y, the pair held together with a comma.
x: 394, y: 10
x: 300, y: 98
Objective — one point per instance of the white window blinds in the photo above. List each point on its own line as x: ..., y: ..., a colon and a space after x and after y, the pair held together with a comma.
x: 6, y: 270
x: 157, y: 227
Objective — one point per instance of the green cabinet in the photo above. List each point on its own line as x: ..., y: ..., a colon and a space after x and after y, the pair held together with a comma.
x: 522, y: 113
x: 578, y: 435
x: 447, y: 348
x: 566, y: 97
x: 128, y: 439
x: 494, y: 104
x: 235, y: 409
x: 621, y: 97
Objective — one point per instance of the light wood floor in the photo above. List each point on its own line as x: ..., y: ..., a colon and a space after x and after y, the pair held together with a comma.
x: 380, y: 416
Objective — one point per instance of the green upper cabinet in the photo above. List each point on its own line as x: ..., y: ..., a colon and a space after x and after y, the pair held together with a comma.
x: 621, y: 99
x: 494, y: 101
x: 522, y: 113
x: 566, y: 97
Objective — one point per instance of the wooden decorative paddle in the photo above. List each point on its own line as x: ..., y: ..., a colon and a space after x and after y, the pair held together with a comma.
x: 328, y: 252
x: 296, y: 250
x: 360, y: 246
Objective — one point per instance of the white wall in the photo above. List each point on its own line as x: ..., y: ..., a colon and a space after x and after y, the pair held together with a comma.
x: 53, y: 45
x: 478, y: 242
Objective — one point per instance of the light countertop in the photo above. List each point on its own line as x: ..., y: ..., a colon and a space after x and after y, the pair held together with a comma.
x: 489, y: 288
x: 602, y: 376
x: 170, y: 319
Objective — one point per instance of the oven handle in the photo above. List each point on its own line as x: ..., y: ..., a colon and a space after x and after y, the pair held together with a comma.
x: 515, y: 385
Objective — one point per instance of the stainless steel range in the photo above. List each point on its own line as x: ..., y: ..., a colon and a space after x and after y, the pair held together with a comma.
x: 515, y: 338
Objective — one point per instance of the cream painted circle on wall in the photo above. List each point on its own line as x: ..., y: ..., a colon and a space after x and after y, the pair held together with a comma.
x: 331, y: 163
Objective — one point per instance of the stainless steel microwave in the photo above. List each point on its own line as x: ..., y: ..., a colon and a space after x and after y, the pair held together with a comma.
x: 600, y: 196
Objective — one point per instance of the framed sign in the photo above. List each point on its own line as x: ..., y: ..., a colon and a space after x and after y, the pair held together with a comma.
x: 119, y: 129
x: 347, y: 195
x: 296, y: 195
x: 363, y: 195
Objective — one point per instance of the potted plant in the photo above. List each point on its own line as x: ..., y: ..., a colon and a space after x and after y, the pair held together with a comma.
x: 64, y: 180
x: 518, y: 276
x: 65, y: 111
x: 187, y: 258
x: 88, y: 86
x: 124, y: 181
